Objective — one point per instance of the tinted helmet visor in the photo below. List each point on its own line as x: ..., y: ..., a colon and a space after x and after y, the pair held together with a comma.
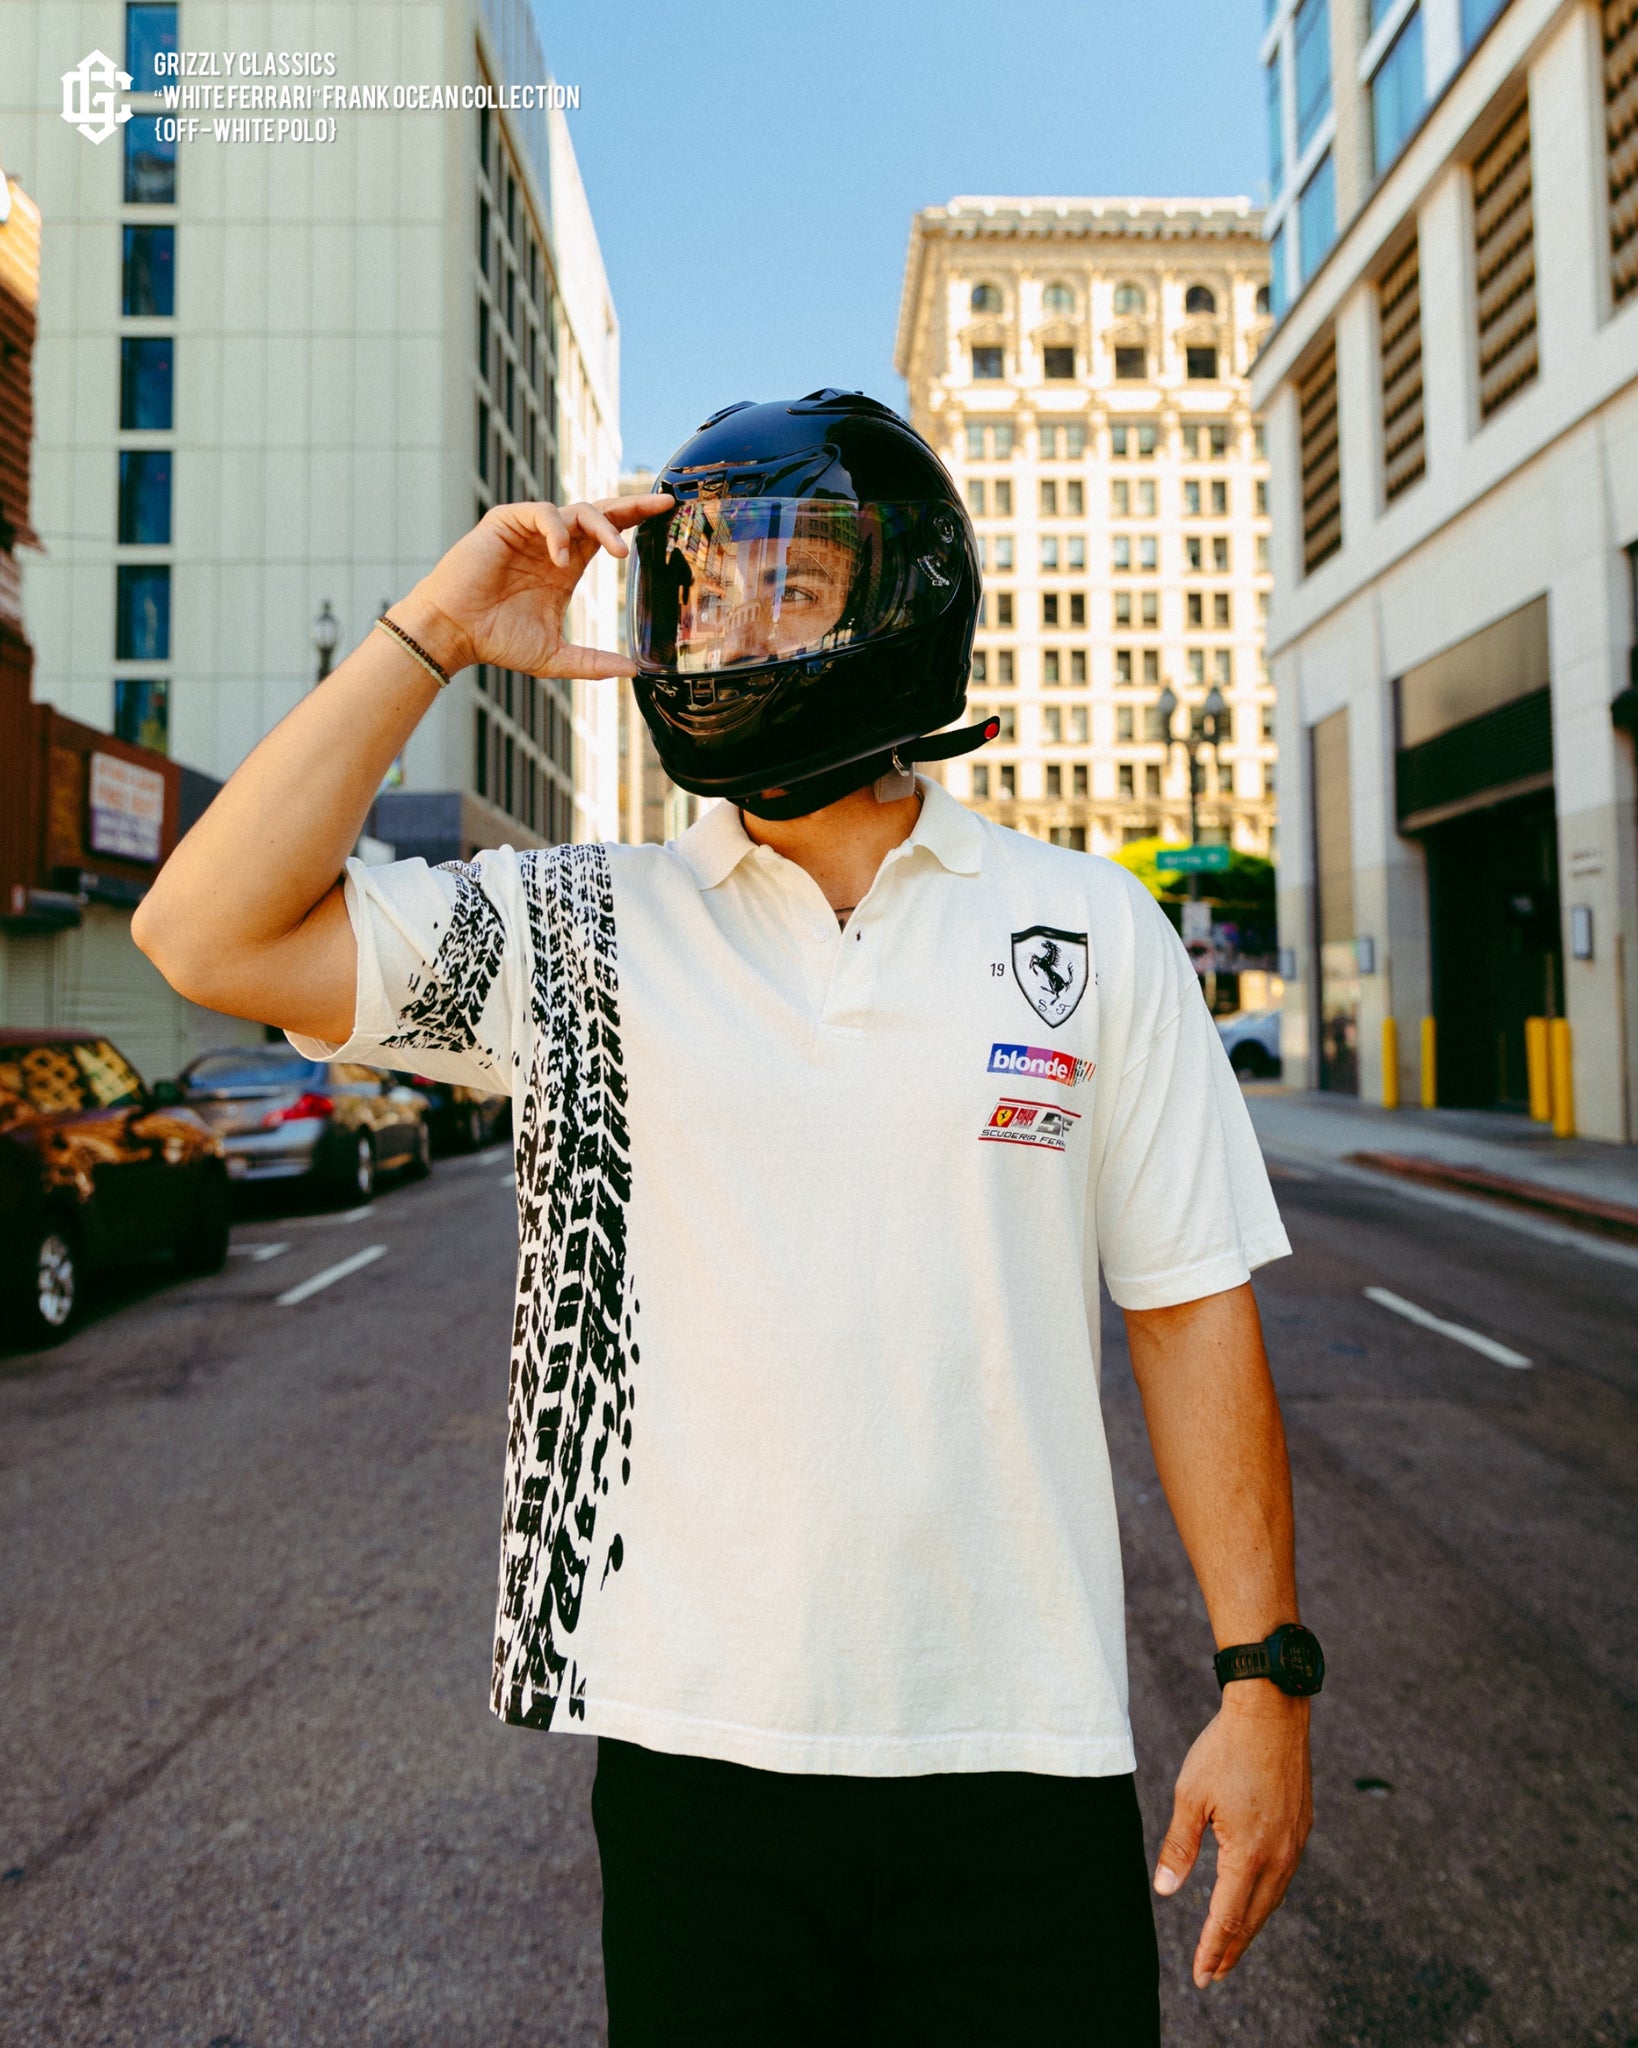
x: 730, y: 583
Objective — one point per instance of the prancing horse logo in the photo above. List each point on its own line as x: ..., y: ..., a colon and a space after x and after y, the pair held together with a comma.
x: 1051, y: 968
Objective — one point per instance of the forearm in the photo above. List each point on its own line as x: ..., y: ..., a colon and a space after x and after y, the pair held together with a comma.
x: 1219, y: 1448
x: 269, y: 849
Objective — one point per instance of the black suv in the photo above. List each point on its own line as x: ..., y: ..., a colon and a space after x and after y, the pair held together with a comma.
x: 96, y: 1169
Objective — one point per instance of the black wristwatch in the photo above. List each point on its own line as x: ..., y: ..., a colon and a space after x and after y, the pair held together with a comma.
x: 1291, y: 1657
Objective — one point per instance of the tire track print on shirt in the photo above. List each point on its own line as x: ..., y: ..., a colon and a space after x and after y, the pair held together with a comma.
x: 444, y: 1011
x: 572, y: 1348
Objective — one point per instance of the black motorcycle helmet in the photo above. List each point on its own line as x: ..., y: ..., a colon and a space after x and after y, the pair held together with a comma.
x: 805, y: 611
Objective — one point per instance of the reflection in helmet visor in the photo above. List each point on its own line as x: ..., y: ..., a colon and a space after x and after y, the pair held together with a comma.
x: 732, y: 582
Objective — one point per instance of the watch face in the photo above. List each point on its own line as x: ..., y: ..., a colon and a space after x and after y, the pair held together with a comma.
x: 1300, y: 1661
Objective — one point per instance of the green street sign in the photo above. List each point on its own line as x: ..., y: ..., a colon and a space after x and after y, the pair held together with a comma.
x: 1192, y: 860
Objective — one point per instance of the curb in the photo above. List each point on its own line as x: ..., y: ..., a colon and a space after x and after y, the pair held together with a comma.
x: 1608, y: 1219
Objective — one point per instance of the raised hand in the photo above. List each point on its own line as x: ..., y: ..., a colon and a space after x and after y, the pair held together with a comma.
x: 500, y: 593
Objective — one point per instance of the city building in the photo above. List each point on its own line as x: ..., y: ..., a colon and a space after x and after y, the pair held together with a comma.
x: 279, y: 376
x: 85, y: 818
x: 652, y: 808
x: 1451, y: 398
x: 1081, y: 367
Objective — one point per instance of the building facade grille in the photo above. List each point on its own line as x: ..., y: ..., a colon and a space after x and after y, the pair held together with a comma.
x: 1399, y: 299
x: 1505, y: 263
x: 1621, y: 137
x: 1321, y: 462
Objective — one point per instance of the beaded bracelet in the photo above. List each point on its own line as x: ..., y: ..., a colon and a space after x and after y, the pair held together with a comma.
x: 413, y: 647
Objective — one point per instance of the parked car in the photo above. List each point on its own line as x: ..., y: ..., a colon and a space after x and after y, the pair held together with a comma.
x: 282, y: 1116
x: 460, y: 1119
x: 96, y: 1169
x: 1251, y: 1038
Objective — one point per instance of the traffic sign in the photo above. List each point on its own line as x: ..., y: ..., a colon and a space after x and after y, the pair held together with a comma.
x: 1192, y: 860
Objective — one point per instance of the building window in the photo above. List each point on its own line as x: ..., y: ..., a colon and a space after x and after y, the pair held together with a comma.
x: 1197, y: 668
x: 483, y: 439
x: 149, y: 282
x: 1058, y: 363
x: 1151, y: 781
x: 1077, y: 608
x: 150, y: 163
x: 1206, y: 444
x: 1274, y: 106
x: 1317, y: 217
x: 1077, y: 663
x: 148, y: 31
x: 1505, y: 263
x: 1222, y: 662
x: 1262, y: 300
x: 979, y: 669
x: 1151, y: 608
x: 1008, y: 779
x: 1080, y: 787
x: 1123, y: 607
x: 1477, y: 15
x: 1620, y: 71
x: 1075, y: 551
x: 1130, y: 299
x: 1278, y: 283
x: 1131, y: 364
x: 1125, y: 778
x: 1050, y: 671
x: 1195, y: 608
x: 1120, y: 497
x: 1071, y: 438
x: 1004, y: 669
x: 1077, y: 725
x: 1191, y: 500
x: 1201, y: 363
x: 987, y: 363
x: 1121, y: 552
x: 145, y: 381
x: 1219, y: 498
x: 1220, y: 553
x: 1075, y: 497
x: 1058, y: 298
x: 1399, y: 324
x: 1049, y: 500
x: 142, y: 709
x: 1148, y: 553
x: 1151, y: 664
x: 1260, y: 496
x: 981, y: 781
x: 1055, y: 781
x: 1321, y: 460
x: 1220, y: 608
x: 1003, y: 550
x: 142, y: 613
x: 1397, y: 93
x: 1124, y: 717
x: 1052, y: 726
x: 1049, y: 609
x: 986, y: 298
x: 1313, y: 47
x: 1200, y: 298
x: 145, y: 497
x: 1133, y: 440
x: 1003, y: 609
x: 975, y: 496
x: 1003, y: 498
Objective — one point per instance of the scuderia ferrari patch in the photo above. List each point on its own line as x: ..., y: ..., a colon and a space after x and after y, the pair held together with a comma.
x: 1051, y: 968
x: 1016, y: 1122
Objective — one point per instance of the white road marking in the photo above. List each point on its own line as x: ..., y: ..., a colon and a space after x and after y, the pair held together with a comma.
x: 1487, y: 1346
x: 258, y: 1252
x: 508, y: 1180
x: 353, y: 1215
x: 330, y: 1275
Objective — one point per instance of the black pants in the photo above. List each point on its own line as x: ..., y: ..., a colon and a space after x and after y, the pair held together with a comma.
x: 760, y: 1909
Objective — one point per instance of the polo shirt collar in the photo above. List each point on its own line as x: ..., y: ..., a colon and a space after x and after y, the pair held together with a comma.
x: 715, y: 844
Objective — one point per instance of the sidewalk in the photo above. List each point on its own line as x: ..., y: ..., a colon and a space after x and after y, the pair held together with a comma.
x: 1476, y: 1151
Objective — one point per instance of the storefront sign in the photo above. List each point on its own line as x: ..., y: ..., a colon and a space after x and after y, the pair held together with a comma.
x: 127, y: 808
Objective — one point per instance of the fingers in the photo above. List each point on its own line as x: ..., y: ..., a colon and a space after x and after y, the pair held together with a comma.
x: 633, y: 511
x: 1229, y: 1926
x: 550, y: 524
x: 589, y: 663
x: 1181, y: 1846
x: 562, y: 527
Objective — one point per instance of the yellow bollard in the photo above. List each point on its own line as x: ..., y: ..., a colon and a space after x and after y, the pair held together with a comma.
x: 1558, y: 1039
x: 1390, y: 1063
x: 1430, y: 1064
x: 1538, y: 1066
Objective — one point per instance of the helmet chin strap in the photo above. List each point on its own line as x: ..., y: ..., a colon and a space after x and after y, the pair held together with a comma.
x: 895, y: 784
x: 890, y: 784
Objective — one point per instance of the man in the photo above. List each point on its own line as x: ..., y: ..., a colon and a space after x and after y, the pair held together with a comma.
x: 826, y: 1117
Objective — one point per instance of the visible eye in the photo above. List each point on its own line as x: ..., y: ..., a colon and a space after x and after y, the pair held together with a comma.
x: 800, y: 593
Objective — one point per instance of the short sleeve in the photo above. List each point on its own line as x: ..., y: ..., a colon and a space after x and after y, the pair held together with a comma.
x: 1182, y: 1203
x: 441, y: 970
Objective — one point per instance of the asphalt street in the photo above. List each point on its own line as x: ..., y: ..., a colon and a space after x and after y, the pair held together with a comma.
x: 251, y: 1794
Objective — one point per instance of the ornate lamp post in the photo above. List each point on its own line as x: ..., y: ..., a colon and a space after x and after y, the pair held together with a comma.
x: 1208, y: 724
x: 326, y: 632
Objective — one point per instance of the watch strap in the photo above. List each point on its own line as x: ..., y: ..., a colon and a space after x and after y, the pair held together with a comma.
x: 1242, y: 1660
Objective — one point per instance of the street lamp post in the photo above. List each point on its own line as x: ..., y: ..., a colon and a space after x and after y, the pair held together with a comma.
x: 326, y: 632
x: 1206, y: 723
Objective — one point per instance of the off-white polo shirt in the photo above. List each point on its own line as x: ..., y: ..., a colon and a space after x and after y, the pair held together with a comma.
x: 806, y: 1466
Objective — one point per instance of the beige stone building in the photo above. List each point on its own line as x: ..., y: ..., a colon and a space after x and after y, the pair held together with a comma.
x: 278, y: 374
x: 1081, y: 366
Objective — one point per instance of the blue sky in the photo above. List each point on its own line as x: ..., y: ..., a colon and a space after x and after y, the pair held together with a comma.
x: 753, y: 165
